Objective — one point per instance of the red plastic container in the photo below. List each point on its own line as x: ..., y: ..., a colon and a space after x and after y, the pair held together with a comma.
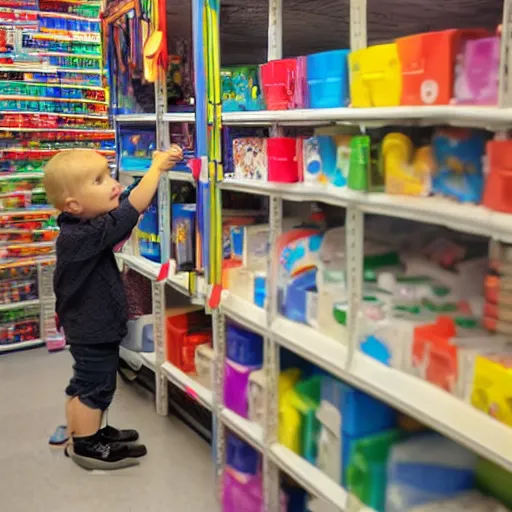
x: 184, y: 334
x: 498, y: 186
x: 283, y: 165
x: 428, y: 64
x: 278, y: 79
x: 433, y: 352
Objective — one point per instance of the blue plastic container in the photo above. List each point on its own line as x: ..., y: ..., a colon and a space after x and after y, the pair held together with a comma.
x: 241, y: 456
x: 244, y: 347
x: 294, y: 305
x: 327, y: 75
x: 260, y: 290
x: 149, y: 225
x: 361, y: 413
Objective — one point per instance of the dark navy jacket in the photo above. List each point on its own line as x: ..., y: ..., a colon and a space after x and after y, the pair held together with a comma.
x: 91, y: 302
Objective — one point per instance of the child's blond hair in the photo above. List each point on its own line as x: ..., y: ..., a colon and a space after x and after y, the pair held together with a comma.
x: 65, y: 172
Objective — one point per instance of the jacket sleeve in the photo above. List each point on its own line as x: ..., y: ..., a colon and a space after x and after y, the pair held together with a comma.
x: 104, y: 232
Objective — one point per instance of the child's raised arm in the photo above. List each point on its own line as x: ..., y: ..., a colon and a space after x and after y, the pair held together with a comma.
x: 142, y: 195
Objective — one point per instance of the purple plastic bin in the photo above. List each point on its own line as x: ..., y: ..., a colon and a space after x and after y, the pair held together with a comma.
x: 477, y: 79
x: 236, y: 386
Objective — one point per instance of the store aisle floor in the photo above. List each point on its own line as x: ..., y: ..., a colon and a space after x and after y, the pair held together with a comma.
x: 176, y: 475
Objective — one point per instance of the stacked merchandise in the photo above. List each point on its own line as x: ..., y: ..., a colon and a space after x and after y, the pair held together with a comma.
x: 379, y: 455
x: 423, y: 310
x: 52, y: 97
x: 433, y: 68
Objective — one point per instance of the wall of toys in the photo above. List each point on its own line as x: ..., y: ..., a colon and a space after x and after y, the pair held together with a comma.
x: 52, y: 97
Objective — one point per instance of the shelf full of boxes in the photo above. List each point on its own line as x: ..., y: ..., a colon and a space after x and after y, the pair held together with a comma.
x: 360, y: 324
x: 52, y: 97
x: 361, y: 331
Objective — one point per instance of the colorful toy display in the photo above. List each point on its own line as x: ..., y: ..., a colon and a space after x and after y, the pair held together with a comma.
x: 240, y: 89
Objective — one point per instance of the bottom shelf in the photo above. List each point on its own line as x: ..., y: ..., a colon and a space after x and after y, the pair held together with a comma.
x: 21, y: 345
x: 138, y: 359
x: 187, y: 383
x: 311, y: 478
x: 247, y: 430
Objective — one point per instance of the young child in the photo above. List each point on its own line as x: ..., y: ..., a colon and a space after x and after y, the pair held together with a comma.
x: 91, y: 303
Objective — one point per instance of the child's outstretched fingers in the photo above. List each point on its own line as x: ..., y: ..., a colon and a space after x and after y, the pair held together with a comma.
x: 165, y: 160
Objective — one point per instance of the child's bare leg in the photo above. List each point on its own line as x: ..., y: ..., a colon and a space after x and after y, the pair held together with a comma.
x: 82, y: 420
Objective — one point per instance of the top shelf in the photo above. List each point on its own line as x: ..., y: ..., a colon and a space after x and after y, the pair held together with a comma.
x: 172, y: 117
x: 491, y: 118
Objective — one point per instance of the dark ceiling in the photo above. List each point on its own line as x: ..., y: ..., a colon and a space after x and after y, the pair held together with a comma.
x: 314, y: 25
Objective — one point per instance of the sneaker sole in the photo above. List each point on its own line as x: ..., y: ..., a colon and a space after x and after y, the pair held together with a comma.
x: 91, y: 464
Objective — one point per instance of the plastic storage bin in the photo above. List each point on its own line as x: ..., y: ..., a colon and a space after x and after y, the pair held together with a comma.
x: 241, y: 456
x: 186, y: 329
x: 477, y: 80
x: 283, y: 166
x: 244, y: 347
x: 498, y: 187
x: 367, y: 471
x: 279, y: 79
x: 327, y: 76
x: 375, y: 76
x: 428, y: 65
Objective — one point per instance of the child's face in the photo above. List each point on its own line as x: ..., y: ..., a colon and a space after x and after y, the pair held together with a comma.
x: 97, y: 194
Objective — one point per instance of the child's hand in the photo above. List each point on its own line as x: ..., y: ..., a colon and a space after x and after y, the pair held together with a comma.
x: 166, y: 160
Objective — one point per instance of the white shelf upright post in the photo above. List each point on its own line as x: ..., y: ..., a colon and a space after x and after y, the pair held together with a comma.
x: 505, y: 83
x: 164, y: 231
x: 271, y: 481
x: 354, y: 220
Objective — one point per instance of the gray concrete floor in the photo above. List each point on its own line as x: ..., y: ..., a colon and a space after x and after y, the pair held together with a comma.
x: 177, y: 474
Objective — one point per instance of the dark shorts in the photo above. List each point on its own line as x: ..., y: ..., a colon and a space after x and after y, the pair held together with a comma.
x: 94, y: 374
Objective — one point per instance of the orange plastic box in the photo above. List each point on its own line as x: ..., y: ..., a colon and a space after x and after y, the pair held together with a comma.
x: 187, y: 328
x: 498, y: 186
x: 445, y: 355
x: 428, y: 64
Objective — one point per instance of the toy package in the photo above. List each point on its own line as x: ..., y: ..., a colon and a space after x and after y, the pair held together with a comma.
x: 250, y: 159
x: 458, y: 154
x: 183, y: 235
x: 407, y: 170
x: 240, y: 89
x: 136, y: 148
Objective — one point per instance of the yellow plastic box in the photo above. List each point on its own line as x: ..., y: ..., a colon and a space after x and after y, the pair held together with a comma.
x: 375, y: 76
x: 492, y: 386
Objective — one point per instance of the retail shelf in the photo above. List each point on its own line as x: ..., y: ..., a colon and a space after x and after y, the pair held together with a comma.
x: 244, y: 313
x: 194, y: 389
x: 151, y: 270
x: 486, y: 117
x: 292, y: 191
x: 18, y: 305
x: 21, y: 345
x: 172, y: 175
x: 136, y: 118
x: 468, y: 218
x: 416, y: 397
x: 247, y: 430
x: 179, y: 117
x: 90, y: 132
x: 310, y: 477
x: 142, y: 265
x: 136, y: 360
x: 20, y: 175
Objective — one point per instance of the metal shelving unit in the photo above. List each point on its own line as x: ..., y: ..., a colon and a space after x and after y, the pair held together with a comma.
x: 421, y: 400
x: 341, y: 358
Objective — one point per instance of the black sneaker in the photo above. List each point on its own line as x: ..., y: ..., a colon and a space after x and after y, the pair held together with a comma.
x: 114, y: 435
x: 94, y: 452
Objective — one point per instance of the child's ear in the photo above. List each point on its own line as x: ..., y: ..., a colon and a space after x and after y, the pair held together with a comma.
x: 71, y: 205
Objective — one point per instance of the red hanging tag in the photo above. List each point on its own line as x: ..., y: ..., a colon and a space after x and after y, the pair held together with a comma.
x: 214, y: 299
